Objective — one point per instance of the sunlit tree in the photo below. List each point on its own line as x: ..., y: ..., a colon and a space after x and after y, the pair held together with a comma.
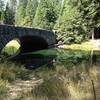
x: 47, y: 13
x: 30, y: 12
x: 21, y: 13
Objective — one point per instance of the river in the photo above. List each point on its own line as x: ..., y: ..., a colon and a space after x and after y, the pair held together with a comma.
x: 58, y: 56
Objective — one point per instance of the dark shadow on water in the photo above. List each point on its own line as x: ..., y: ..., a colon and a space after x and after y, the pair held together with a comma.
x: 33, y: 61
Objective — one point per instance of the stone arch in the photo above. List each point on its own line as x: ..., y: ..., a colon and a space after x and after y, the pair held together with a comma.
x: 32, y: 43
x: 29, y: 43
x: 45, y: 37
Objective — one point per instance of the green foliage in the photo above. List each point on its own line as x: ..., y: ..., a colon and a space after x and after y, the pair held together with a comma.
x: 9, y: 14
x: 68, y: 27
x: 73, y: 20
x: 25, y: 12
x: 21, y: 12
x: 1, y: 11
x: 77, y: 19
x: 3, y: 86
x: 72, y: 56
x: 30, y: 12
x: 8, y: 51
x: 90, y: 10
x: 46, y: 14
x: 1, y: 5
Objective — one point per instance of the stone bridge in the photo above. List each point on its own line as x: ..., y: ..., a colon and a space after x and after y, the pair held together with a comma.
x: 31, y: 39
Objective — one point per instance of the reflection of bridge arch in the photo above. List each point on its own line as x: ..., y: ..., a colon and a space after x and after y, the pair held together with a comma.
x: 31, y: 39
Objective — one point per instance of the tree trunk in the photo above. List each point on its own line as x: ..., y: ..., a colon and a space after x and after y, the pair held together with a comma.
x: 92, y: 33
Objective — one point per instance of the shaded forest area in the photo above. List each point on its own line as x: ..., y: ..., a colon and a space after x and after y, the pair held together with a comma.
x: 73, y: 20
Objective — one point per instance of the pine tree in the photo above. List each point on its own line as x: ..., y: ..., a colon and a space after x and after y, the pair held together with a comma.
x: 30, y: 12
x: 77, y: 19
x: 9, y: 14
x: 21, y: 13
x: 47, y: 14
x: 1, y: 11
x: 89, y: 13
x: 66, y: 21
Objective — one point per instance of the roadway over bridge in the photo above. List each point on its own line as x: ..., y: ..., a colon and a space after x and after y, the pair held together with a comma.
x: 31, y: 39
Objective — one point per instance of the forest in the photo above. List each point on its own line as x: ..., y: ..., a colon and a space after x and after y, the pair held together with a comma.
x: 73, y: 21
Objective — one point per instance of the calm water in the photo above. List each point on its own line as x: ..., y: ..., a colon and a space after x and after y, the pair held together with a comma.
x: 57, y: 56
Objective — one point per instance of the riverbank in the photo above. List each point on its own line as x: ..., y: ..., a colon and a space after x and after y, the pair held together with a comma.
x: 86, y: 46
x: 58, y: 84
x: 72, y: 77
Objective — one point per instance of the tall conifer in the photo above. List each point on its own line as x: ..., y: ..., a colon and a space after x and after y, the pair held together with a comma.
x: 21, y: 13
x: 9, y: 14
x: 30, y: 12
x: 47, y: 14
x: 1, y: 11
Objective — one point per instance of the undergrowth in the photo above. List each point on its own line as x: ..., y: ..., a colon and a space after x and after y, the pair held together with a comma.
x: 64, y: 84
x: 10, y: 72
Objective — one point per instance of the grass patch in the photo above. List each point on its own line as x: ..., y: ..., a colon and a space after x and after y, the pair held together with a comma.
x: 3, y: 86
x: 11, y: 71
x: 64, y: 84
x: 86, y: 46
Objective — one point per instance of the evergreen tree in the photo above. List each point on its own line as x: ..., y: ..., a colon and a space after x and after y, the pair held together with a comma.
x: 47, y: 13
x: 76, y: 20
x: 89, y: 13
x: 21, y: 13
x: 30, y: 12
x: 66, y: 21
x: 1, y: 11
x: 9, y: 14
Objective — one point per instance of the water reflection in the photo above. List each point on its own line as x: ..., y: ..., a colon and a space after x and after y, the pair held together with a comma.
x: 36, y: 59
x: 62, y: 57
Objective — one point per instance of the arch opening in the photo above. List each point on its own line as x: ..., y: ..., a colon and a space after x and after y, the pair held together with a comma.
x: 11, y: 48
x: 32, y: 43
